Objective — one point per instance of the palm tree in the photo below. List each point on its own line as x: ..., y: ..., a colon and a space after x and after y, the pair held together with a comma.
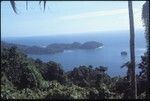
x: 132, y: 51
x: 145, y: 17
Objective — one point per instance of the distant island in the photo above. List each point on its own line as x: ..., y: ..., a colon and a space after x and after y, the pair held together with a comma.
x: 123, y: 53
x: 53, y: 48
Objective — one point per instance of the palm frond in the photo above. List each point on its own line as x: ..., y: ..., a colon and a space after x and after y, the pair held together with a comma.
x: 44, y: 4
x: 26, y: 5
x: 13, y: 5
x: 40, y: 2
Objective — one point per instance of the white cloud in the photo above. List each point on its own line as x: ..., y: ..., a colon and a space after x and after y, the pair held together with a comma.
x: 96, y: 14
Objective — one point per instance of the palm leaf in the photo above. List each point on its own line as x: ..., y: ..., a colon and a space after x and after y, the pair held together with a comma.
x: 40, y: 2
x: 26, y: 5
x: 13, y: 5
x: 44, y: 1
x: 44, y: 4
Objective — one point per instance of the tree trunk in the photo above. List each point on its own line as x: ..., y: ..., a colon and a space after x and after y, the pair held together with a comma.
x: 132, y: 52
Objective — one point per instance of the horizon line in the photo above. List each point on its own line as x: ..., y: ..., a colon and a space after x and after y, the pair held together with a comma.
x: 67, y: 34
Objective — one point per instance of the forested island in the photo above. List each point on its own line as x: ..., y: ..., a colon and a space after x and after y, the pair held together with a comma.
x: 55, y: 47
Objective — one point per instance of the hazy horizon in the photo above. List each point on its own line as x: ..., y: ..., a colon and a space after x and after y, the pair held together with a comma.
x: 77, y: 34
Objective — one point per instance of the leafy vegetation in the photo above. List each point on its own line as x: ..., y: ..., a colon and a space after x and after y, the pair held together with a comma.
x: 25, y: 78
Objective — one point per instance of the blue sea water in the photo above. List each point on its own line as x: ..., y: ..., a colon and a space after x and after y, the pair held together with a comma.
x: 109, y: 55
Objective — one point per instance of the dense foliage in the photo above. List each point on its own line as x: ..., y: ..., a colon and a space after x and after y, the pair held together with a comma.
x: 145, y: 65
x: 145, y: 17
x: 25, y: 78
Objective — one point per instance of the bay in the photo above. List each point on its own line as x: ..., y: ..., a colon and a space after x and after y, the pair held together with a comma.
x: 108, y: 56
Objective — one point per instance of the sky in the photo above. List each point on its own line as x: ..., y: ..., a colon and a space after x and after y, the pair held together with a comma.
x: 67, y: 17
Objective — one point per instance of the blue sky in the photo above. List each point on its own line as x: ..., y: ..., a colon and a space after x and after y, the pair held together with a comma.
x: 67, y: 17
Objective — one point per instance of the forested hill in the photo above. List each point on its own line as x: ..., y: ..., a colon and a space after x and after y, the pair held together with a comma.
x: 53, y: 48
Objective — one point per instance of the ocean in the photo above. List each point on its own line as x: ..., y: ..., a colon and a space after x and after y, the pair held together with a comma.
x: 108, y: 56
